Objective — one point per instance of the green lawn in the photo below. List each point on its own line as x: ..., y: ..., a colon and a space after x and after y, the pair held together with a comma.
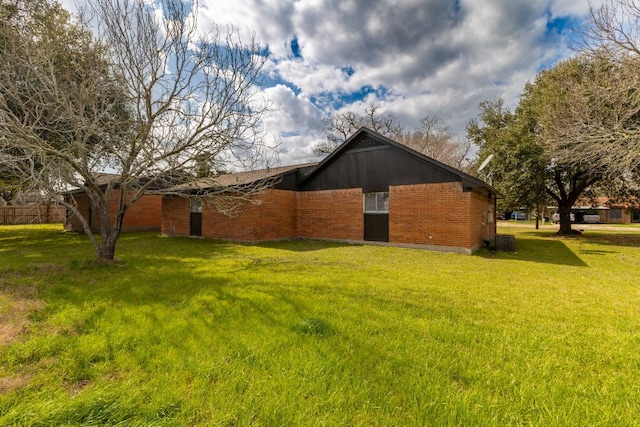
x: 197, y: 332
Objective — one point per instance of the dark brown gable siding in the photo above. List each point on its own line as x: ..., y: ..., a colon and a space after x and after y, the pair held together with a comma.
x: 375, y: 168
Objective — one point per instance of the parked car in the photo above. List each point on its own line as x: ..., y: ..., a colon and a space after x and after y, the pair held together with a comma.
x: 591, y: 218
x: 518, y: 216
x: 555, y: 218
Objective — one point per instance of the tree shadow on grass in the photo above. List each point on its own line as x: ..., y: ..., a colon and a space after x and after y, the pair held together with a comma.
x: 539, y: 250
x: 625, y: 240
x: 304, y: 245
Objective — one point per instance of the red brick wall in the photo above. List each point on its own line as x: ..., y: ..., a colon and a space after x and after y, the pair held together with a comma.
x: 481, y: 228
x: 272, y: 219
x: 626, y: 217
x: 175, y: 216
x: 424, y: 214
x: 439, y: 215
x: 145, y: 214
x: 331, y: 214
x: 73, y: 223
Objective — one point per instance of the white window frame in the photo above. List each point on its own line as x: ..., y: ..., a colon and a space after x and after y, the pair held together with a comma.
x: 381, y: 203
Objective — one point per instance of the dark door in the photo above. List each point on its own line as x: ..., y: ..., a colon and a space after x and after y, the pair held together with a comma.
x: 195, y: 228
x: 376, y: 227
x: 376, y: 216
x: 635, y: 215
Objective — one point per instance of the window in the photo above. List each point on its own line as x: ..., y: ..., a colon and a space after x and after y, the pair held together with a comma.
x: 615, y: 213
x: 376, y: 202
x: 196, y: 205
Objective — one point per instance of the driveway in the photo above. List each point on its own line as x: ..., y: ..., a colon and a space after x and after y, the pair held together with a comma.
x: 595, y: 227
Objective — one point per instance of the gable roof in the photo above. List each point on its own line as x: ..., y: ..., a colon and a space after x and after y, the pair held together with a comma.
x: 104, y: 179
x: 468, y: 181
x: 237, y: 179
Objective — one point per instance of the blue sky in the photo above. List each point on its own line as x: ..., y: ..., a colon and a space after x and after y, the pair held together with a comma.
x: 412, y: 57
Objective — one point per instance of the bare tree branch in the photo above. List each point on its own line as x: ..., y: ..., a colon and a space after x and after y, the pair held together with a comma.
x: 434, y: 139
x: 613, y: 28
x: 146, y: 99
x: 341, y: 126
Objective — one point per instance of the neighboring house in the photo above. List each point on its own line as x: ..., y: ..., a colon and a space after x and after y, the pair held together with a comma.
x: 144, y: 215
x: 617, y: 213
x: 623, y: 214
x: 607, y: 212
x: 371, y: 189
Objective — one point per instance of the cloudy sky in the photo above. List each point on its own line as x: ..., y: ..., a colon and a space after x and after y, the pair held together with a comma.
x: 412, y: 57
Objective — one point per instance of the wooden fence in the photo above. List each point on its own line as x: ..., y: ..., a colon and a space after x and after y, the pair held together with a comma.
x: 32, y: 214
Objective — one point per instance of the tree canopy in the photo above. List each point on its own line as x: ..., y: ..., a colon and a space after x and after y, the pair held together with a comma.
x: 576, y: 128
x: 146, y: 96
x: 529, y: 166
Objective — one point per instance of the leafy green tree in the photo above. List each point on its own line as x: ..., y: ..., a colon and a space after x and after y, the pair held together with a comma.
x: 528, y: 166
x: 518, y: 167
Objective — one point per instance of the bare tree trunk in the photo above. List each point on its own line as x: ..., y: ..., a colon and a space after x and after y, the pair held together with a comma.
x: 107, y: 251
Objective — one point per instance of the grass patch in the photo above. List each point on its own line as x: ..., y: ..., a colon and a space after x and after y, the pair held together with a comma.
x: 198, y: 332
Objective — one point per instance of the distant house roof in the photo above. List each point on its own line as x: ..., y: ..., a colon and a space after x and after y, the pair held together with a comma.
x: 103, y: 178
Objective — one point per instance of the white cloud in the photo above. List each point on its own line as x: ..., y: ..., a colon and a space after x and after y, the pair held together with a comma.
x: 430, y: 56
x: 573, y: 7
x: 295, y: 123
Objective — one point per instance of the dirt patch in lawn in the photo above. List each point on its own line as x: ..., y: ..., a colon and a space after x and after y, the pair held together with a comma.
x: 16, y: 305
x: 13, y: 383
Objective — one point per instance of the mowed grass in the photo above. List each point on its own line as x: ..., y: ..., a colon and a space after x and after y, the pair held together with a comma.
x: 198, y: 332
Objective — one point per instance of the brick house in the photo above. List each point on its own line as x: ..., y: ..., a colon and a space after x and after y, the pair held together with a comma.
x: 371, y: 189
x: 620, y: 214
x: 144, y: 215
x: 610, y: 212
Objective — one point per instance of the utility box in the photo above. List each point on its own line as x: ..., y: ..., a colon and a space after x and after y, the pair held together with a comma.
x: 505, y: 242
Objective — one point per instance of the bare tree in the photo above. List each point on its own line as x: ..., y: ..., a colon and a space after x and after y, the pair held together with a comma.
x: 341, y: 126
x: 146, y: 99
x: 434, y: 139
x: 613, y: 28
x: 598, y: 120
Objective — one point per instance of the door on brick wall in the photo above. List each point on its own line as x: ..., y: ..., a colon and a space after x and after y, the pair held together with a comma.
x: 94, y: 217
x: 195, y: 228
x: 376, y: 217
